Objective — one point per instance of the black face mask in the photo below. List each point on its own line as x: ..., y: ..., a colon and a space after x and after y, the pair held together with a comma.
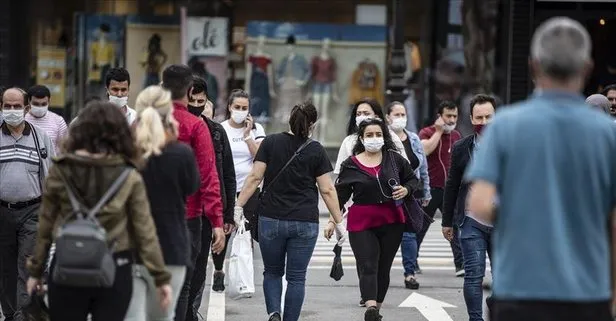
x: 195, y: 110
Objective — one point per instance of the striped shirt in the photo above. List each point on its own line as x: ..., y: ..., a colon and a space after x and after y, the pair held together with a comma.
x: 52, y: 124
x: 19, y: 166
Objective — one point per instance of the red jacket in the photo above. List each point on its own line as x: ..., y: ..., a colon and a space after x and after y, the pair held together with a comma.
x: 440, y: 159
x: 194, y: 132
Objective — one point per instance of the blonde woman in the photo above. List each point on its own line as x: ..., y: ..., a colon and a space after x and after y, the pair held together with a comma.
x: 170, y: 175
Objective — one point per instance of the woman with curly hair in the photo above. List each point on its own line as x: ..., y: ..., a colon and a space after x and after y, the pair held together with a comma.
x: 99, y: 149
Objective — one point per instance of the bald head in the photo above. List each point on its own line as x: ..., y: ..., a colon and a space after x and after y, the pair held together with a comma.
x: 14, y: 97
x: 599, y: 101
x: 561, y: 49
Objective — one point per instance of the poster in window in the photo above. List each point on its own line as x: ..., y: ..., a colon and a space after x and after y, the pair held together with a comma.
x: 207, y: 36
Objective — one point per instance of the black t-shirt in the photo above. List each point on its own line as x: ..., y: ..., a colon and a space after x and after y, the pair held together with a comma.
x: 294, y: 195
x: 408, y: 149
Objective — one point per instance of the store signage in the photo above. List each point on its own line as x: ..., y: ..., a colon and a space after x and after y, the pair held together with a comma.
x: 207, y: 36
x: 51, y: 72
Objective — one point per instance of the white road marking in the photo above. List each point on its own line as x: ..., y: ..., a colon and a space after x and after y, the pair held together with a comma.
x: 217, y: 306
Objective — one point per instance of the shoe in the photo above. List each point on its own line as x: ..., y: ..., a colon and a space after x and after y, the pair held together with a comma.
x: 417, y: 269
x: 362, y: 303
x: 372, y: 314
x: 411, y: 284
x: 459, y: 272
x: 274, y: 317
x: 218, y: 285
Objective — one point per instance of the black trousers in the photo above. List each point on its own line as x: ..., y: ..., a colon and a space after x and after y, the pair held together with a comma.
x: 506, y: 310
x: 374, y: 251
x: 67, y: 303
x: 17, y: 238
x: 190, y: 297
x: 436, y: 203
x: 184, y: 307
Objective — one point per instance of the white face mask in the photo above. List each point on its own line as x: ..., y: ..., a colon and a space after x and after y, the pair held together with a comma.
x: 118, y: 101
x: 13, y: 117
x: 373, y: 144
x: 449, y: 128
x: 39, y: 111
x: 398, y: 124
x: 361, y: 118
x: 239, y: 116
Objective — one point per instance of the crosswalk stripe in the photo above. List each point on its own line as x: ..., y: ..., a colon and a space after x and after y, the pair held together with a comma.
x: 434, y: 254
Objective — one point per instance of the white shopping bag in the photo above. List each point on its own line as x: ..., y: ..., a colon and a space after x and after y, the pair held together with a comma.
x: 241, y: 270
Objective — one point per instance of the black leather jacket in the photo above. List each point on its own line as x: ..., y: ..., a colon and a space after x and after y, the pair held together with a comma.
x: 454, y: 199
x: 364, y: 187
x: 224, y: 167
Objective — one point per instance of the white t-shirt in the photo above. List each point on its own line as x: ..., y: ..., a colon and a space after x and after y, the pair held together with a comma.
x: 242, y: 159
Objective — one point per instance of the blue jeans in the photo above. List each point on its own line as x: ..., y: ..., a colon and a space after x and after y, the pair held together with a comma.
x: 295, y: 242
x: 409, y: 253
x: 475, y: 242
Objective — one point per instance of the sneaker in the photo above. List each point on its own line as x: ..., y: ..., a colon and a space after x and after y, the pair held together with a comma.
x: 274, y: 317
x: 411, y: 283
x: 459, y: 272
x: 372, y: 314
x: 417, y: 269
x: 362, y: 303
x: 219, y: 282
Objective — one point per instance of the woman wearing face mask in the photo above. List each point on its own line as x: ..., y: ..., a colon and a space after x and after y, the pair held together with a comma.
x: 200, y: 106
x: 378, y: 179
x: 245, y: 136
x: 396, y: 117
x: 364, y: 109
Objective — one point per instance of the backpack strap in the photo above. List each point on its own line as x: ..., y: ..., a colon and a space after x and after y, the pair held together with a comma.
x: 110, y: 192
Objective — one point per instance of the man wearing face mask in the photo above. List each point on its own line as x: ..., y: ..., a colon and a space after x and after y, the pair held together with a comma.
x: 437, y: 141
x: 117, y: 83
x: 200, y: 106
x: 204, y: 210
x: 474, y: 234
x: 25, y: 157
x: 51, y: 123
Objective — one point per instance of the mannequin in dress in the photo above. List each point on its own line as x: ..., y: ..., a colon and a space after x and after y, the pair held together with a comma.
x: 292, y: 74
x: 323, y: 90
x: 259, y: 83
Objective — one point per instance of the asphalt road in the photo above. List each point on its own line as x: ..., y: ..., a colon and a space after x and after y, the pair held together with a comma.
x: 439, y: 298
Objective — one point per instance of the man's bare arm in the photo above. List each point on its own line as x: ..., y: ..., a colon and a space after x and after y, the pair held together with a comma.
x: 481, y: 200
x: 429, y: 145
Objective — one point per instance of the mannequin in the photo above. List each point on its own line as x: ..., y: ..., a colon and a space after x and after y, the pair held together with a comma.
x: 292, y: 75
x: 323, y: 91
x: 102, y: 55
x: 259, y: 84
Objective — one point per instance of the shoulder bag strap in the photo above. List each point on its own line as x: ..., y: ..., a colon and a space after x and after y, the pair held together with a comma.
x: 75, y: 204
x: 306, y: 143
x: 110, y: 192
x: 39, y: 153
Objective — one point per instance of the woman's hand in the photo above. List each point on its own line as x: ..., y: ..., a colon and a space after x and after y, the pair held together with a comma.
x: 329, y: 230
x: 34, y: 285
x: 248, y: 126
x: 164, y: 296
x: 400, y: 192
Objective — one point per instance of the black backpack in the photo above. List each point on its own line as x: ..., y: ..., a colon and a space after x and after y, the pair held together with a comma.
x: 83, y: 257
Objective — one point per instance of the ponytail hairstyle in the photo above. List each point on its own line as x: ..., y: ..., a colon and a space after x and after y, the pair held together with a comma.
x: 154, y: 117
x: 303, y: 117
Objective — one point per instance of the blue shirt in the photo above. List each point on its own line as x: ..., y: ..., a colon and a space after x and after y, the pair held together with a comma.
x: 553, y: 161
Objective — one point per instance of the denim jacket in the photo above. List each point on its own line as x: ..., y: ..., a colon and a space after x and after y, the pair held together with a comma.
x: 299, y: 69
x: 422, y: 170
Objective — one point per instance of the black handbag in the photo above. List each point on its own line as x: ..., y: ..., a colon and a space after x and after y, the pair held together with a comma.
x: 254, y: 229
x: 336, y: 271
x: 415, y: 216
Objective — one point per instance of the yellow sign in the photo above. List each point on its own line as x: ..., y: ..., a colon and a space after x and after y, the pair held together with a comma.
x: 51, y: 72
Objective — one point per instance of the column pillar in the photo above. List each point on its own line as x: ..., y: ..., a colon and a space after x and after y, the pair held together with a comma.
x: 396, y: 84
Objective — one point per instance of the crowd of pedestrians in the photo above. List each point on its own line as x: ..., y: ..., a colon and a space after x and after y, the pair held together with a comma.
x: 115, y: 215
